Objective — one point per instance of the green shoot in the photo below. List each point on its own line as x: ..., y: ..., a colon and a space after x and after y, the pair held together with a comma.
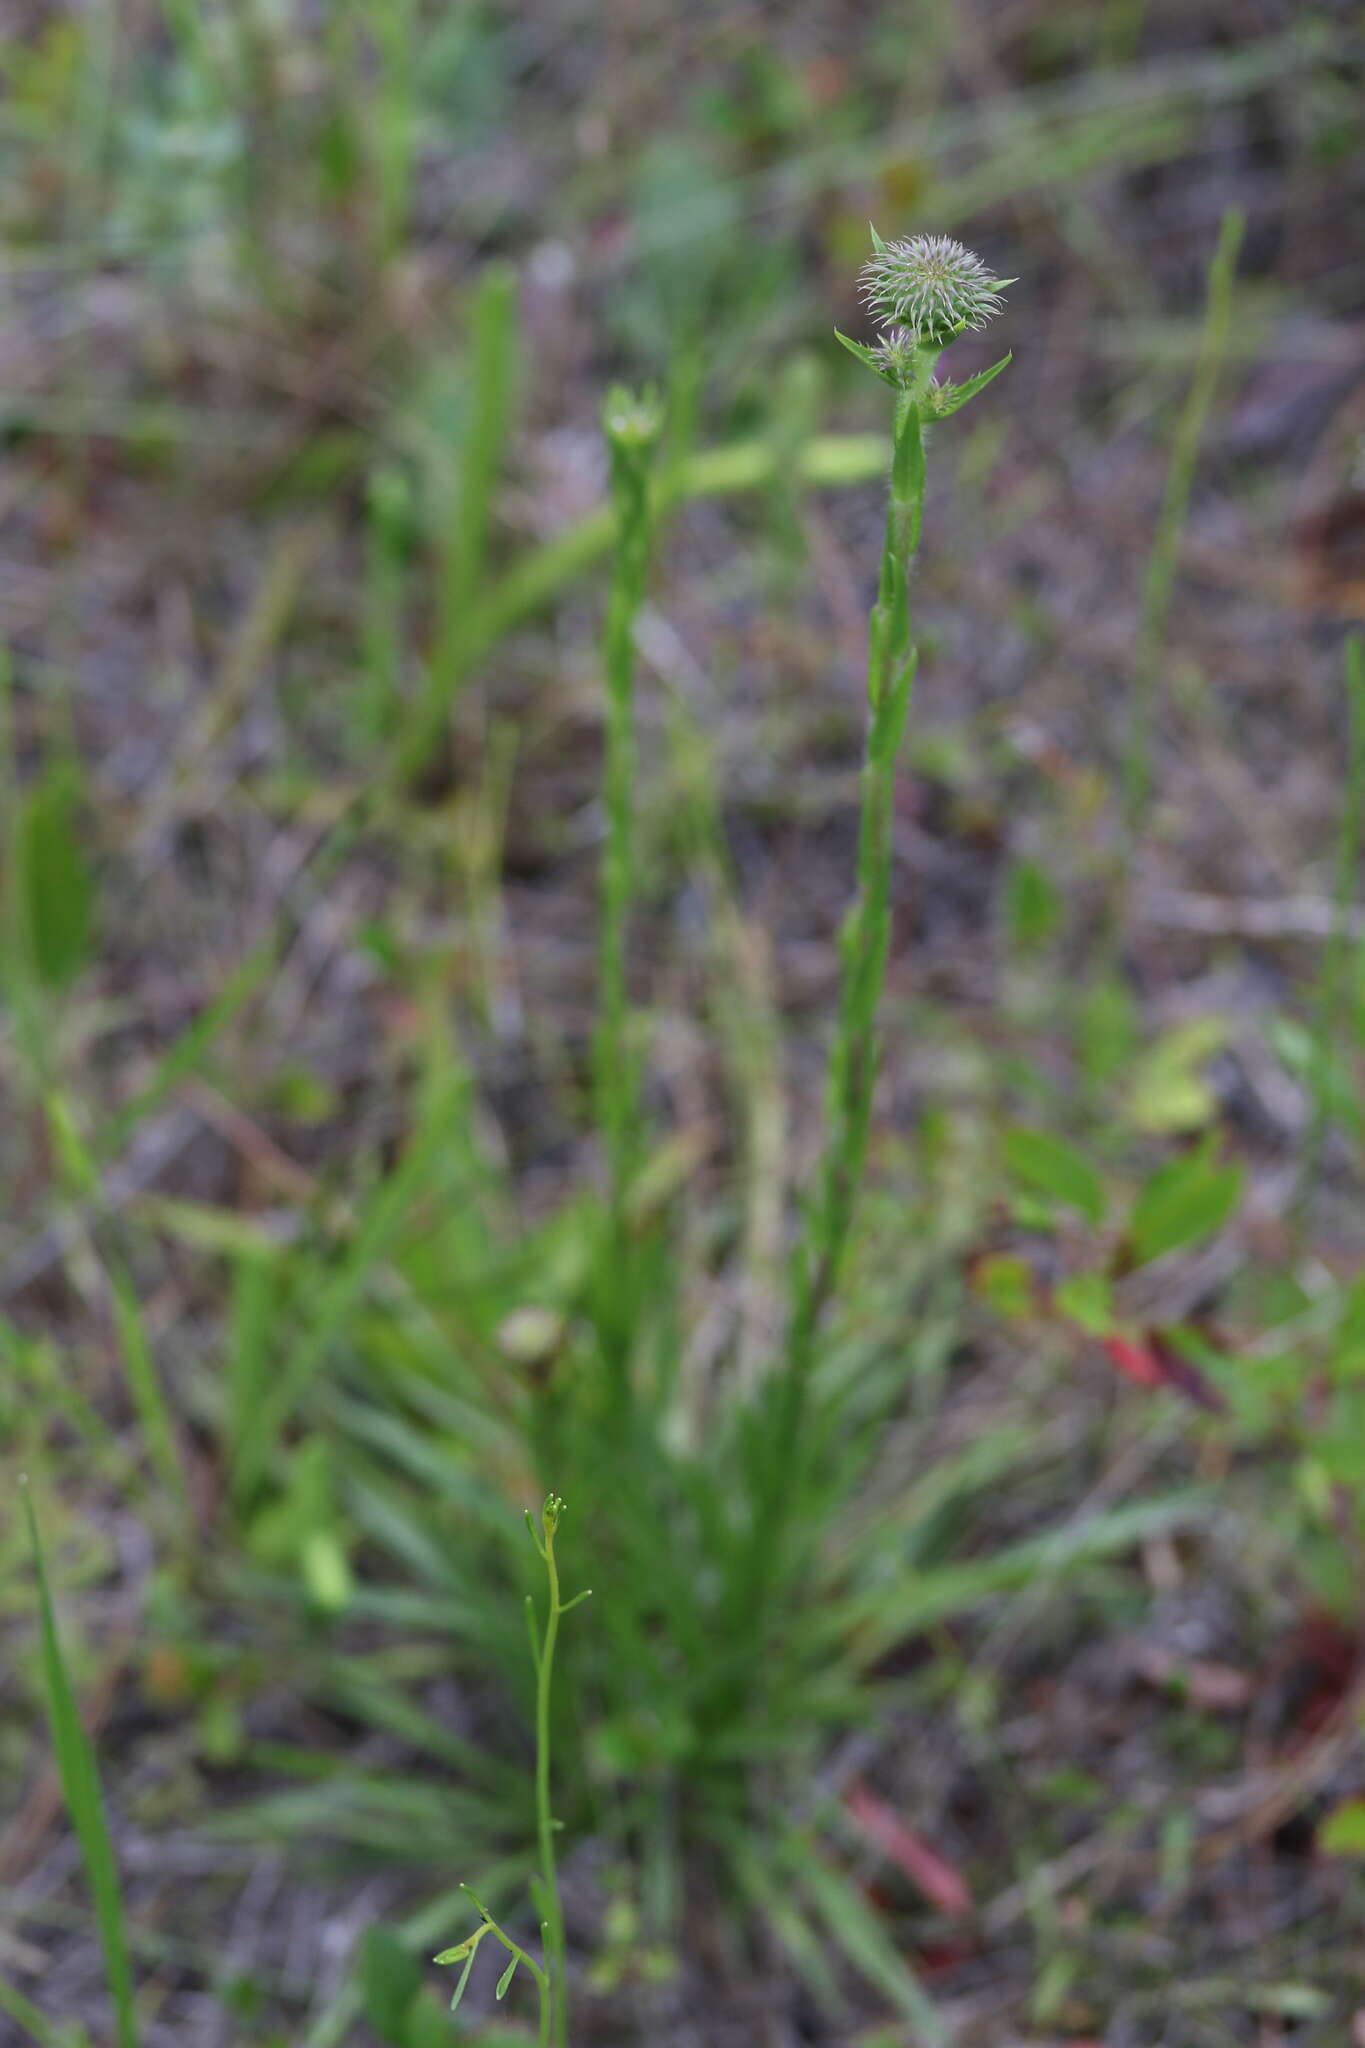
x: 1332, y: 983
x: 27, y: 2016
x: 389, y: 513
x: 1175, y: 505
x: 632, y: 427
x: 488, y: 422
x: 550, y: 1974
x: 84, y: 1803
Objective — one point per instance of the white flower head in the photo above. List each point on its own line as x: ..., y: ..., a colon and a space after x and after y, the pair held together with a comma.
x: 932, y: 287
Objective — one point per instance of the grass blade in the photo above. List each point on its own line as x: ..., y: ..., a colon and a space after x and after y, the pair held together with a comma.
x: 864, y: 1939
x: 1175, y: 505
x: 27, y: 2016
x: 84, y: 1804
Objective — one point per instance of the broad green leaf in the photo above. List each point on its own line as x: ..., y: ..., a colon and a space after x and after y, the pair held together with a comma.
x: 1168, y: 1092
x: 1341, y: 1446
x: 57, y: 894
x: 1185, y: 1201
x: 1342, y: 1833
x: 1006, y: 1283
x: 1033, y: 907
x: 326, y: 1571
x: 1087, y: 1300
x: 1050, y: 1166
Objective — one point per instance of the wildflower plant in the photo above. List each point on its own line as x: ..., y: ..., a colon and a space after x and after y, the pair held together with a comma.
x: 932, y: 290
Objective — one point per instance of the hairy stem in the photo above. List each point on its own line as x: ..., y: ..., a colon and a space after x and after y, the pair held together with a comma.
x: 864, y: 945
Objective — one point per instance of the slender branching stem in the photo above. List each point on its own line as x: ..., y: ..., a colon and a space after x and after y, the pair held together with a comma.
x: 550, y: 1973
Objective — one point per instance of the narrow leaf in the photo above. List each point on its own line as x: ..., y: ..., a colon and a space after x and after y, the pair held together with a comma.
x: 863, y: 1937
x: 865, y: 355
x: 458, y: 1993
x: 950, y: 398
x: 84, y: 1804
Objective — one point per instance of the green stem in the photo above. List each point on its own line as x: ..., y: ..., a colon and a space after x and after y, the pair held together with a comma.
x: 864, y: 945
x: 1331, y: 992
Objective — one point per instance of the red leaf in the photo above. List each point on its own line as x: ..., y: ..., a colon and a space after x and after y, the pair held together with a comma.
x: 933, y: 1877
x: 1152, y: 1362
x: 1136, y: 1361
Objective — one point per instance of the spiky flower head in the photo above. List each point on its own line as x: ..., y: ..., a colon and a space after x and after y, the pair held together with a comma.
x: 933, y: 287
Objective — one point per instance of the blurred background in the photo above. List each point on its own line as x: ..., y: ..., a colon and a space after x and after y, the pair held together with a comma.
x: 309, y: 309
